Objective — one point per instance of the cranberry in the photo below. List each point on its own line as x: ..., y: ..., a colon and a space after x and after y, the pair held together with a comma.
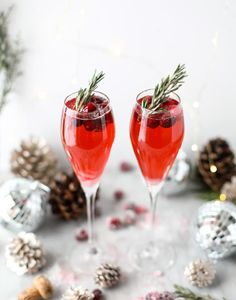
x: 147, y: 99
x: 169, y: 104
x: 168, y: 122
x: 126, y: 166
x: 82, y: 235
x: 119, y: 195
x: 89, y: 125
x: 97, y: 294
x: 153, y: 121
x: 115, y: 223
x: 89, y: 107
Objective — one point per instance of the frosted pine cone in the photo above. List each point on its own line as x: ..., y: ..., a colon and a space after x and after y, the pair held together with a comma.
x: 229, y: 190
x: 200, y: 273
x: 77, y: 293
x: 34, y: 159
x: 24, y: 254
x: 108, y: 275
x: 159, y: 296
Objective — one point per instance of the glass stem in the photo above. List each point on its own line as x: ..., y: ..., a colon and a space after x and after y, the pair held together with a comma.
x: 90, y: 193
x: 153, y: 200
x: 154, y: 193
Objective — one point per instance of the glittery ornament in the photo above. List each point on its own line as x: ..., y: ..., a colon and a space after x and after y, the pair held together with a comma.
x: 34, y: 160
x: 216, y: 228
x: 23, y: 204
x: 178, y: 178
x: 24, y: 254
x: 108, y: 275
x: 77, y: 293
x: 159, y: 296
x: 229, y: 190
x: 200, y: 273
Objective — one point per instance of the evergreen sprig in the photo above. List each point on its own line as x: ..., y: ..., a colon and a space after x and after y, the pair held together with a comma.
x: 84, y: 95
x: 167, y: 86
x: 187, y: 294
x: 10, y: 56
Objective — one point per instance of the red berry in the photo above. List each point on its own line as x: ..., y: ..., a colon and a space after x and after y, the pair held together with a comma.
x: 126, y: 166
x: 89, y: 125
x: 89, y: 107
x: 115, y: 223
x: 168, y: 122
x: 82, y: 235
x: 170, y: 104
x: 153, y: 121
x: 119, y: 195
x: 97, y: 294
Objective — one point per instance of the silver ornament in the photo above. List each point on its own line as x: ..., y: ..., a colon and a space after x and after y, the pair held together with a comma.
x: 179, y: 175
x: 23, y: 204
x: 216, y: 228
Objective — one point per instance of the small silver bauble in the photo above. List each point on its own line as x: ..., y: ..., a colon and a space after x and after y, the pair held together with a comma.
x: 216, y: 228
x: 179, y: 175
x: 23, y: 204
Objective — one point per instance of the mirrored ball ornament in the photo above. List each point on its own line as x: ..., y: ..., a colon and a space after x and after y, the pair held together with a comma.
x: 23, y: 204
x: 179, y: 175
x: 216, y: 229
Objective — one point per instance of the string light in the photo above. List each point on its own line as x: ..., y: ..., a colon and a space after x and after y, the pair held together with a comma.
x: 222, y: 197
x: 213, y: 168
x: 194, y: 147
x: 196, y: 104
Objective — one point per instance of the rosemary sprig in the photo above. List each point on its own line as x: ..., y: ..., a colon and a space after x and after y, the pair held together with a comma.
x: 187, y: 294
x: 165, y: 88
x: 85, y: 94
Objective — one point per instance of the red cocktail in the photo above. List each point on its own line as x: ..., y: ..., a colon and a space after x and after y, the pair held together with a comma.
x: 156, y: 137
x: 156, y: 133
x: 87, y: 137
x: 87, y: 132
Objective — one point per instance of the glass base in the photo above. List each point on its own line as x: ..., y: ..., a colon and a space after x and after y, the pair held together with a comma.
x: 86, y: 258
x: 153, y: 256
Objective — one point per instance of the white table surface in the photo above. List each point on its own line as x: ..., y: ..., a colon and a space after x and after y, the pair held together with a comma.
x: 177, y: 213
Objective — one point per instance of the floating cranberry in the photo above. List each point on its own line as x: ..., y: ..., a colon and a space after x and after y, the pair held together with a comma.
x: 89, y: 125
x: 82, y: 235
x: 168, y: 122
x: 89, y: 107
x: 153, y: 121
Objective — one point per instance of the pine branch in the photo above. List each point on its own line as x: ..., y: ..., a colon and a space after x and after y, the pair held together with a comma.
x: 10, y: 56
x: 167, y: 86
x: 84, y: 95
x: 187, y: 294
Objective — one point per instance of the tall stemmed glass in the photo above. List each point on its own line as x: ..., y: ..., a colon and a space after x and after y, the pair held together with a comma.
x: 156, y: 136
x: 87, y: 137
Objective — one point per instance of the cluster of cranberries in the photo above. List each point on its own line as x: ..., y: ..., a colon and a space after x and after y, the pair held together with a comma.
x: 96, y: 106
x: 163, y: 118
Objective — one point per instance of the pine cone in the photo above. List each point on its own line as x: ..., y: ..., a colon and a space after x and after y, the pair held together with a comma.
x: 67, y: 197
x: 159, y: 296
x: 77, y: 294
x: 229, y: 190
x: 108, y: 275
x: 24, y: 254
x: 34, y: 160
x: 216, y: 164
x: 200, y: 273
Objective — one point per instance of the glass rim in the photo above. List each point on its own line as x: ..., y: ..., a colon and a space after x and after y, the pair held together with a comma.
x: 147, y: 90
x: 88, y: 115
